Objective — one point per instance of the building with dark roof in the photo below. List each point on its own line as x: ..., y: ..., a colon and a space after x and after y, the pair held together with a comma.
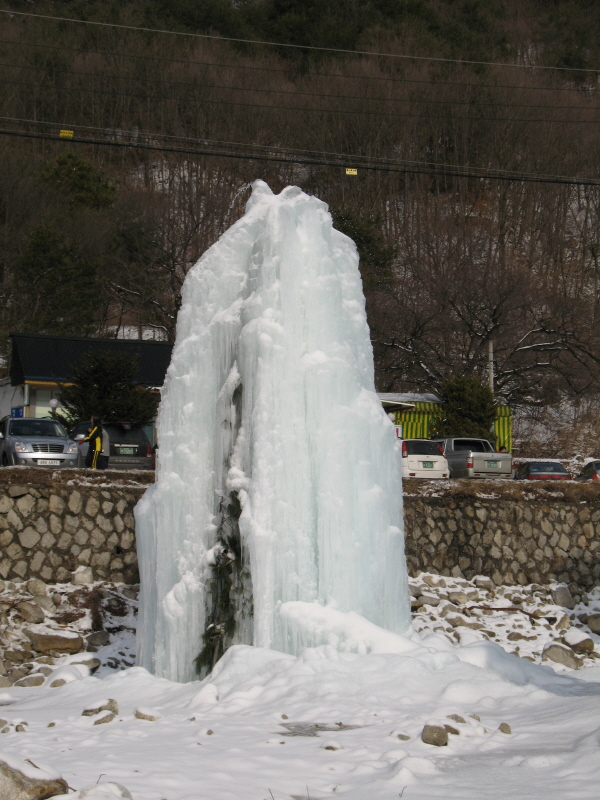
x: 39, y: 364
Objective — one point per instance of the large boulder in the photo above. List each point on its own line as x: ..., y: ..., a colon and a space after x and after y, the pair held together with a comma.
x: 47, y: 640
x: 560, y: 655
x: 562, y: 596
x: 594, y: 623
x: 23, y: 780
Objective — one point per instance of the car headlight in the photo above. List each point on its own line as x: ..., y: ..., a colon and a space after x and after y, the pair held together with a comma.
x: 72, y: 448
x: 21, y: 447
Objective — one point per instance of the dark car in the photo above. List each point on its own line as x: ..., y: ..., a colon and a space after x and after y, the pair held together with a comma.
x: 542, y: 471
x: 591, y: 472
x: 129, y: 445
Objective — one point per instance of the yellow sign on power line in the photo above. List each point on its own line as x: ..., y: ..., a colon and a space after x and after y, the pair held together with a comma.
x: 66, y: 134
x: 351, y: 171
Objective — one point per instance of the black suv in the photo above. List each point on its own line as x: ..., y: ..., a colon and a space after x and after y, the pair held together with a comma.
x: 129, y: 445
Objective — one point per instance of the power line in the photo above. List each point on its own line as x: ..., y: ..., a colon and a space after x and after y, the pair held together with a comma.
x: 280, y: 156
x: 362, y: 98
x: 188, y: 62
x: 303, y: 109
x: 298, y: 46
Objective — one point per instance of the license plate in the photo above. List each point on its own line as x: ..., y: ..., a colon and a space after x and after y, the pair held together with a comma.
x: 127, y: 451
x: 491, y: 464
x: 427, y: 464
x: 47, y: 462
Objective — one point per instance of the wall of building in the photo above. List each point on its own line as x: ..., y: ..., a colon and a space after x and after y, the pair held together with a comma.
x: 53, y: 523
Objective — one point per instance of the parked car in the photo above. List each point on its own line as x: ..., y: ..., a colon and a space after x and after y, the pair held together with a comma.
x: 36, y: 443
x: 129, y: 445
x: 542, y: 471
x: 475, y: 458
x: 591, y: 472
x: 422, y: 458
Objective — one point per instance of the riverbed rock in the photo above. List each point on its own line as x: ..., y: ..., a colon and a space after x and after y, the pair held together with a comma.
x: 110, y: 705
x: 30, y: 612
x: 435, y: 735
x: 593, y: 623
x: 560, y: 655
x: 562, y: 596
x: 47, y: 641
x: 28, y: 782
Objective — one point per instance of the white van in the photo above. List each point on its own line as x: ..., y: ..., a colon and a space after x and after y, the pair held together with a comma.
x: 422, y: 458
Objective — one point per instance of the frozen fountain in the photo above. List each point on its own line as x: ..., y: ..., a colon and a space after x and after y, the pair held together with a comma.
x: 278, y: 496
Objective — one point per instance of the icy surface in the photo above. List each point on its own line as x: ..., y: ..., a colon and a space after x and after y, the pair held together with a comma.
x: 270, y: 395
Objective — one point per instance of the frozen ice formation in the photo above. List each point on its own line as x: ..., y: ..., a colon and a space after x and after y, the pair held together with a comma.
x: 278, y: 475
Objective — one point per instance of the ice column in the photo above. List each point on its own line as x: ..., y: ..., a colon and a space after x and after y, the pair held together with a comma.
x: 269, y: 407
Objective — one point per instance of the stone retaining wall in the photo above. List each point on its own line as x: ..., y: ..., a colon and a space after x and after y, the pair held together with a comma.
x: 511, y: 541
x: 53, y: 523
x: 49, y: 528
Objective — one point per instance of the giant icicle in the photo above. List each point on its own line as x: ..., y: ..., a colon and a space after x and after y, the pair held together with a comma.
x: 278, y: 477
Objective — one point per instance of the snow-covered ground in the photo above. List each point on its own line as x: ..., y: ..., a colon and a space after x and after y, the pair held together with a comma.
x: 327, y: 724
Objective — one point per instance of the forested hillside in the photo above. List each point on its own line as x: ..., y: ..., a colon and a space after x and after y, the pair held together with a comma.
x: 475, y: 206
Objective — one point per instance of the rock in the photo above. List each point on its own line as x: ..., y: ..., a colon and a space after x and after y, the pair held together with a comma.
x: 435, y: 581
x: 561, y: 596
x: 514, y: 636
x: 5, y: 682
x: 30, y: 612
x: 461, y: 622
x: 58, y: 682
x: 145, y: 714
x: 45, y: 602
x: 563, y: 623
x: 449, y: 608
x: 504, y: 727
x: 403, y: 737
x: 435, y: 735
x: 108, y: 790
x: 98, y: 638
x: 46, y: 642
x: 31, y: 680
x: 104, y: 719
x: 458, y: 597
x: 452, y: 730
x: 594, y: 623
x: 28, y: 782
x: 82, y: 575
x: 578, y: 641
x: 475, y: 717
x: 17, y: 491
x: 457, y: 718
x: 560, y: 655
x: 91, y: 663
x: 429, y: 600
x: 36, y: 587
x: 109, y: 705
x: 44, y: 670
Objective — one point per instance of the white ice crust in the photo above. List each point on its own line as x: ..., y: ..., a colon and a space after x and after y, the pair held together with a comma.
x: 276, y: 307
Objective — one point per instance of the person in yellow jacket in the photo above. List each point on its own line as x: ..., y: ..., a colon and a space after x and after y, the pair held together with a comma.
x: 98, y: 451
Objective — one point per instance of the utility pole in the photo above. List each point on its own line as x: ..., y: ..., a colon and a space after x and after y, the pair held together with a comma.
x: 491, y: 365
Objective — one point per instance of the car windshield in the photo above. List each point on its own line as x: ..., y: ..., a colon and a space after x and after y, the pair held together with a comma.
x: 474, y: 445
x: 547, y: 467
x: 36, y: 427
x: 417, y: 447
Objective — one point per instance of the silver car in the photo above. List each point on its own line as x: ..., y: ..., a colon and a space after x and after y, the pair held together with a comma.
x: 36, y: 443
